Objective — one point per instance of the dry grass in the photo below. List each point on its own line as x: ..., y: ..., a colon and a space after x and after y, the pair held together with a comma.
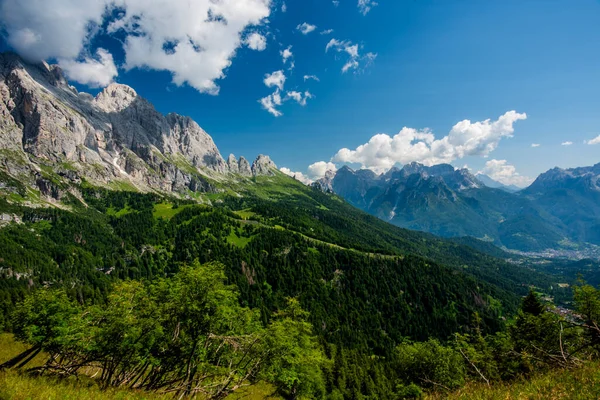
x: 577, y: 384
x: 20, y: 386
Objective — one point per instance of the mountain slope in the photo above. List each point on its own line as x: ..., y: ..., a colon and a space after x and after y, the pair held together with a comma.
x: 366, y: 282
x: 573, y: 197
x: 51, y: 137
x: 450, y: 203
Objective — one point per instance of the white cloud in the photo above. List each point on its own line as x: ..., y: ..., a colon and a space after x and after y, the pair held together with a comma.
x: 271, y: 102
x: 298, y: 175
x: 256, y: 41
x: 94, y: 72
x: 501, y: 171
x: 276, y: 78
x: 286, y: 54
x: 318, y: 169
x: 354, y: 59
x: 39, y: 30
x: 351, y: 64
x: 326, y: 32
x: 596, y: 140
x: 313, y: 77
x: 364, y: 6
x: 283, y: 7
x: 194, y: 40
x: 566, y: 143
x: 299, y: 97
x: 336, y: 3
x: 315, y: 171
x: 535, y: 145
x: 306, y: 28
x: 466, y: 138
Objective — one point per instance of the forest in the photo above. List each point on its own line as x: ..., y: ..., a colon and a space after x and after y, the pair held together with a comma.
x: 176, y: 297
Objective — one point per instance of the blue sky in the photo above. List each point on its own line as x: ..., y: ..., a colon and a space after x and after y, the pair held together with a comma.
x: 437, y: 62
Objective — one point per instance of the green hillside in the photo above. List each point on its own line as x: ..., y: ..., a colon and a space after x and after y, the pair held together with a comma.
x: 368, y: 287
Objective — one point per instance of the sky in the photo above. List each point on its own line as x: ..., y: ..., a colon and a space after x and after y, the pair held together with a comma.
x: 504, y: 87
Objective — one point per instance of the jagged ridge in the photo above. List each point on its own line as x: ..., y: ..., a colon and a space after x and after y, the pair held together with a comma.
x: 117, y: 137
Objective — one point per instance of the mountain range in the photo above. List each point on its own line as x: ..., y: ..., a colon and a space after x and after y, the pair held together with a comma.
x: 52, y: 136
x: 560, y: 209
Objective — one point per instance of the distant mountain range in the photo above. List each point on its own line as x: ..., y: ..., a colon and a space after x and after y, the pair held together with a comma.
x: 491, y: 183
x: 560, y: 209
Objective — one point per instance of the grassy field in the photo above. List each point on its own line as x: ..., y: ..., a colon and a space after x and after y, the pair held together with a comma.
x: 235, y: 239
x: 166, y: 210
x: 20, y: 386
x: 577, y: 384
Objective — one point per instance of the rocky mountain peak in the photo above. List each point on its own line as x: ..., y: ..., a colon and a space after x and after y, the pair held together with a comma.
x: 263, y: 166
x: 325, y: 183
x: 344, y: 170
x: 244, y: 167
x: 413, y: 168
x: 116, y: 97
x: 232, y: 164
x: 118, y: 135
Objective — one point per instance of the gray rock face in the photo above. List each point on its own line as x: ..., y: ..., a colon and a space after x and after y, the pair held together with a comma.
x: 117, y: 135
x: 325, y: 184
x: 232, y: 164
x: 263, y: 166
x: 244, y: 167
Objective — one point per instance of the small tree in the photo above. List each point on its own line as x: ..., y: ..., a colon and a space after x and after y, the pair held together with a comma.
x: 429, y: 364
x: 45, y: 321
x: 295, y: 356
x: 531, y: 304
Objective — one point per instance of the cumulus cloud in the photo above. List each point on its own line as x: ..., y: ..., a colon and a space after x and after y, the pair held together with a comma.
x: 194, y: 40
x: 596, y: 140
x: 466, y: 138
x: 283, y: 7
x: 299, y: 97
x: 286, y: 54
x: 326, y: 32
x: 535, y: 145
x: 94, y: 72
x: 501, y: 171
x: 317, y: 170
x: 352, y: 51
x: 256, y: 41
x: 336, y: 3
x: 306, y: 28
x: 364, y: 6
x: 271, y: 102
x: 297, y: 175
x: 39, y: 30
x: 309, y: 77
x: 276, y: 78
x: 566, y: 143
